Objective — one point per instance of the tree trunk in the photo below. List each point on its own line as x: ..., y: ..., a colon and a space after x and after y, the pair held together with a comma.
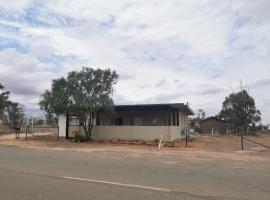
x: 88, y: 126
x: 85, y: 129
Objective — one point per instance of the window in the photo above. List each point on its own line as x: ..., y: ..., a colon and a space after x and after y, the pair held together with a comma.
x: 138, y: 121
x: 117, y: 121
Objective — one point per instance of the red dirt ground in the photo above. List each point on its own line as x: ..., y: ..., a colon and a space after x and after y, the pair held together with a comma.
x: 200, y: 148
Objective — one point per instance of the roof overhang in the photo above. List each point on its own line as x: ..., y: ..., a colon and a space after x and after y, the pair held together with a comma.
x: 155, y: 107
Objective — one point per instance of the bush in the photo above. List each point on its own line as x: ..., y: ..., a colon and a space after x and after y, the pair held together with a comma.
x: 80, y: 138
x: 87, y: 138
x: 156, y: 140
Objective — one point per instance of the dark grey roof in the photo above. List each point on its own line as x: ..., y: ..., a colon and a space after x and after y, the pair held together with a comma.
x: 152, y: 107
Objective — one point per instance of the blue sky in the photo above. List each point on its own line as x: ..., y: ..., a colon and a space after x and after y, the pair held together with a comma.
x: 165, y: 51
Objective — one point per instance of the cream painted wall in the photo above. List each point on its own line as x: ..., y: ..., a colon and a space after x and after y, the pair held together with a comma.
x: 175, y: 133
x: 147, y: 133
x: 183, y: 119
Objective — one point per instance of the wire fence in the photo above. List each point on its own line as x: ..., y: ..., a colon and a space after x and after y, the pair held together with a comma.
x: 254, y: 142
x: 32, y: 130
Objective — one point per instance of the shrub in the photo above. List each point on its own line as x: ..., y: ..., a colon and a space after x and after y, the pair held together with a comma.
x: 156, y: 140
x: 77, y: 137
x: 80, y: 138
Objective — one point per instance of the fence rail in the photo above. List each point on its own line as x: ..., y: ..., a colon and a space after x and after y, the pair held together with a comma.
x: 249, y: 140
x: 51, y: 130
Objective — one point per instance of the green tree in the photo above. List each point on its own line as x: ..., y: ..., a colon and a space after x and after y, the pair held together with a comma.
x: 55, y: 101
x: 14, y: 115
x: 240, y: 111
x: 83, y: 93
x: 4, y: 99
x: 194, y: 122
x: 11, y: 113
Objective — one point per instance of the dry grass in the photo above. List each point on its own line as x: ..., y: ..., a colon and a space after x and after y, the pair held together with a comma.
x: 201, y: 148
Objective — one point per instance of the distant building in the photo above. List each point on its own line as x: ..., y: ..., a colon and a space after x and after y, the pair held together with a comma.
x: 212, y: 125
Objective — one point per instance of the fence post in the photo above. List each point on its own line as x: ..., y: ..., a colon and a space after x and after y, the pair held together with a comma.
x: 26, y: 132
x: 58, y: 132
x: 242, y: 143
x: 186, y: 138
x: 160, y: 140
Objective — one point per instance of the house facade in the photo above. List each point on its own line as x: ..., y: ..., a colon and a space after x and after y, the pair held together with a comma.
x: 133, y: 122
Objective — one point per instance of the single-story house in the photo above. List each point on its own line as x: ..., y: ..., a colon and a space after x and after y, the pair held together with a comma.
x: 132, y: 122
x: 213, y: 125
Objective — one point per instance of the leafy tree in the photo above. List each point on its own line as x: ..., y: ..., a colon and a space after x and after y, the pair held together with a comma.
x: 11, y: 112
x: 15, y: 115
x: 90, y: 91
x: 194, y: 122
x: 240, y: 111
x: 83, y: 93
x: 55, y: 102
x: 4, y: 99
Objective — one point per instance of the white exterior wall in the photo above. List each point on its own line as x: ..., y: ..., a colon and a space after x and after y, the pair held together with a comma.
x: 175, y: 132
x: 62, y: 125
x: 183, y: 120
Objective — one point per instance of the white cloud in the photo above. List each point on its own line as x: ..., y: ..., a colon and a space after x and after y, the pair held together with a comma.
x: 207, y: 43
x: 24, y: 76
x: 15, y: 5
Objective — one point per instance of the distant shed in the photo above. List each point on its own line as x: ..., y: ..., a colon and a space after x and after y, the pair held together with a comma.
x: 213, y: 125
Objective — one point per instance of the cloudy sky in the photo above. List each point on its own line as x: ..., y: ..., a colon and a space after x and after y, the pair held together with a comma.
x: 194, y: 51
